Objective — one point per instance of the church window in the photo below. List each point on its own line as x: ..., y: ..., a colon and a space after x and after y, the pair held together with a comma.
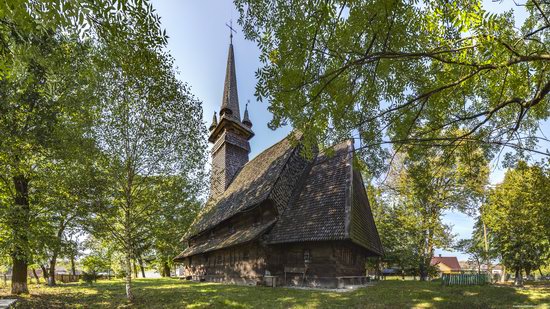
x: 346, y: 256
x: 307, y: 256
x: 295, y: 258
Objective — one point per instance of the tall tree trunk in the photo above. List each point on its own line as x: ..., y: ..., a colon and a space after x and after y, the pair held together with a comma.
x: 128, y: 246
x: 503, y: 275
x: 423, y: 270
x: 128, y: 257
x: 166, y: 269
x: 134, y: 267
x: 486, y: 252
x: 141, y: 267
x: 426, y: 256
x: 73, y: 268
x: 129, y: 294
x: 53, y: 261
x: 35, y: 276
x: 20, y: 225
x: 45, y: 273
x: 19, y: 276
x: 518, y: 281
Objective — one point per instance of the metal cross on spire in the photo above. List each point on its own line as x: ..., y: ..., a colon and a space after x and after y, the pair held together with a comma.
x: 231, y: 30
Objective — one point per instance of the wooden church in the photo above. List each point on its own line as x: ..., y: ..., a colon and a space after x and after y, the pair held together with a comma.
x: 279, y: 216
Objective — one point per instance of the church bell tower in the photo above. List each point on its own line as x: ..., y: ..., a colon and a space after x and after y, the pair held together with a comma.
x: 229, y: 135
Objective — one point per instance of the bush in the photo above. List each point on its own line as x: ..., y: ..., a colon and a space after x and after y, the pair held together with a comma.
x: 89, y: 277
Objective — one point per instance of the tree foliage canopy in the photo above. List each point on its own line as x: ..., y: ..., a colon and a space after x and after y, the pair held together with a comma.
x: 402, y: 71
x: 423, y: 185
x: 92, y: 110
x: 518, y: 215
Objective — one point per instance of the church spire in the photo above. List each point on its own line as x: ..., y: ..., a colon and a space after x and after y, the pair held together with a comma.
x: 230, y: 99
x: 229, y: 135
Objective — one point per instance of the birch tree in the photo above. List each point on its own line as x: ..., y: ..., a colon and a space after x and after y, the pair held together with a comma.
x: 150, y: 126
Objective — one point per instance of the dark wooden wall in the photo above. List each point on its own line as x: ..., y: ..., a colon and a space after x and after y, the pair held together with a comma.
x: 247, y: 264
x: 326, y: 259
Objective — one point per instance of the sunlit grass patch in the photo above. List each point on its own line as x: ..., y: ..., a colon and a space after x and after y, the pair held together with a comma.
x: 174, y: 293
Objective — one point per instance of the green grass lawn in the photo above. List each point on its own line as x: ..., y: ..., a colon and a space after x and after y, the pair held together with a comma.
x: 174, y: 293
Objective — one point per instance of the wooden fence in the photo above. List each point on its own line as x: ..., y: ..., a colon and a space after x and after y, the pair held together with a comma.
x: 5, y: 279
x: 66, y: 278
x: 464, y: 279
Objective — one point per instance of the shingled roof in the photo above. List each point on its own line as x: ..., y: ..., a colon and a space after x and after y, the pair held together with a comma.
x: 251, y: 186
x: 328, y: 203
x: 225, y: 241
x: 320, y: 210
x: 332, y: 205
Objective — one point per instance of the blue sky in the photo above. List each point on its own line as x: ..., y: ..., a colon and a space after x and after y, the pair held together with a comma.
x: 199, y: 40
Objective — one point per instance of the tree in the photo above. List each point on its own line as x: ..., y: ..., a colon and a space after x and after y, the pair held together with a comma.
x: 65, y: 195
x: 150, y: 126
x: 43, y: 118
x: 378, y: 70
x: 517, y: 214
x: 399, y: 239
x: 474, y: 250
x: 104, y: 19
x: 424, y: 183
x: 178, y: 206
x: 47, y: 88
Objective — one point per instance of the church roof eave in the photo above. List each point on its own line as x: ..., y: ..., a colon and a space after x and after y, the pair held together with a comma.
x: 229, y: 122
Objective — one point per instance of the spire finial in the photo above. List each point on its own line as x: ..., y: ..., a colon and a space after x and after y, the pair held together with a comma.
x: 246, y: 118
x: 214, y: 122
x: 231, y: 30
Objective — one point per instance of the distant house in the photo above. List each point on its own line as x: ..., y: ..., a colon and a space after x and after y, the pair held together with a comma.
x: 446, y: 264
x: 471, y: 267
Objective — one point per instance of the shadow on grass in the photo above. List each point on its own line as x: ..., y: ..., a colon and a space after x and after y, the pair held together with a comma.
x: 173, y: 293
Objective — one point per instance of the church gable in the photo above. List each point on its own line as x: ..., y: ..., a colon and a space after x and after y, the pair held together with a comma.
x: 332, y: 205
x: 362, y: 228
x: 319, y: 212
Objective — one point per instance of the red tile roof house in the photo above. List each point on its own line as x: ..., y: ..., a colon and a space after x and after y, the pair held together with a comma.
x: 446, y: 264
